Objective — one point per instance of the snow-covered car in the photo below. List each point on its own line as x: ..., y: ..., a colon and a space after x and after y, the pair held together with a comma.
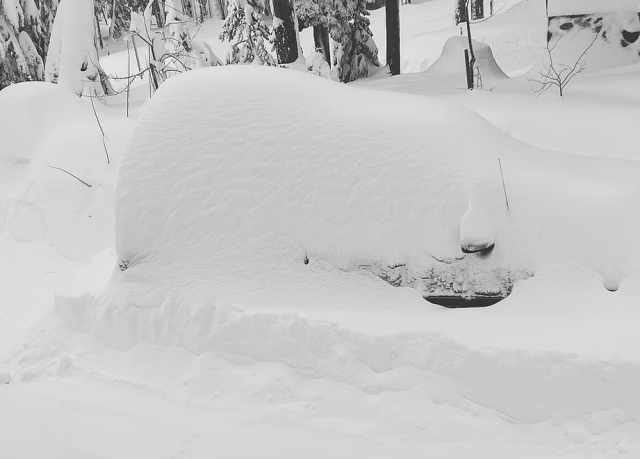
x: 241, y: 180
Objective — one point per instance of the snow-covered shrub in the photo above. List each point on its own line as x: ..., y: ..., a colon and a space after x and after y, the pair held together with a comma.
x: 247, y: 32
x: 318, y: 65
x: 354, y: 50
x: 172, y: 50
x: 72, y: 60
x: 24, y: 39
x: 119, y: 13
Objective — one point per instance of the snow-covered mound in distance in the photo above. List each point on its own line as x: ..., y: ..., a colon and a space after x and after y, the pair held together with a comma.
x: 29, y: 113
x: 264, y: 196
x: 451, y: 61
x: 48, y: 136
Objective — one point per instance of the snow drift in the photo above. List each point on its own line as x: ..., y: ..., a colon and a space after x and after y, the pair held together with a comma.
x: 451, y: 61
x: 47, y: 134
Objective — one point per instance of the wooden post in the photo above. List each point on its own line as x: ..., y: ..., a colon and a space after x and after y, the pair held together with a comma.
x: 393, y: 36
x: 467, y: 66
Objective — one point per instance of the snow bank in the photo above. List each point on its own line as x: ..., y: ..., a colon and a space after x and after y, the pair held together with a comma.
x: 30, y: 112
x: 47, y: 130
x: 523, y: 386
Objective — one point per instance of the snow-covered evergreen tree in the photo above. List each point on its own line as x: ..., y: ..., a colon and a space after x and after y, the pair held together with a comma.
x: 72, y: 60
x: 247, y: 32
x: 24, y: 39
x: 354, y: 50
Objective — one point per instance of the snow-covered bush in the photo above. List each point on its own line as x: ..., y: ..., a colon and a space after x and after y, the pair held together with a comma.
x: 72, y: 60
x: 354, y: 50
x: 119, y: 12
x: 172, y: 50
x: 318, y: 65
x: 247, y: 32
x: 24, y: 39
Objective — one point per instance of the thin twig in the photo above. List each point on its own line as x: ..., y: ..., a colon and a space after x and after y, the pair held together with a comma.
x: 104, y: 144
x: 504, y: 188
x: 69, y: 173
x: 128, y: 74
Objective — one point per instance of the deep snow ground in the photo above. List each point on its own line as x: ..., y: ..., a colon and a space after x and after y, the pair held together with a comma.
x: 427, y: 381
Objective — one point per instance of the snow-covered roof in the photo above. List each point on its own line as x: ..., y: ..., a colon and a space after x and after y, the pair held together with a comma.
x: 572, y: 7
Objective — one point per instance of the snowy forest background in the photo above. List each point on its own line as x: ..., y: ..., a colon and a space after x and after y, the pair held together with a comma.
x: 27, y: 29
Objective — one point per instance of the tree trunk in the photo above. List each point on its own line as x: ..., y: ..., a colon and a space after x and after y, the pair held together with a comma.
x: 112, y: 27
x: 461, y: 11
x: 393, y: 36
x: 321, y: 40
x: 98, y: 32
x: 158, y: 8
x: 477, y: 9
x: 472, y: 61
x: 286, y: 36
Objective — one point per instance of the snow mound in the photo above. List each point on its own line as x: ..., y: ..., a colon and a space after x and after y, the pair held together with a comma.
x: 29, y: 114
x: 451, y: 61
x: 271, y: 199
x: 524, y: 387
x: 51, y: 143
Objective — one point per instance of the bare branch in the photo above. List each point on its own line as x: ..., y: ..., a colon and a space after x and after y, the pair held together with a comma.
x: 560, y: 75
x: 69, y: 173
x: 104, y: 144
